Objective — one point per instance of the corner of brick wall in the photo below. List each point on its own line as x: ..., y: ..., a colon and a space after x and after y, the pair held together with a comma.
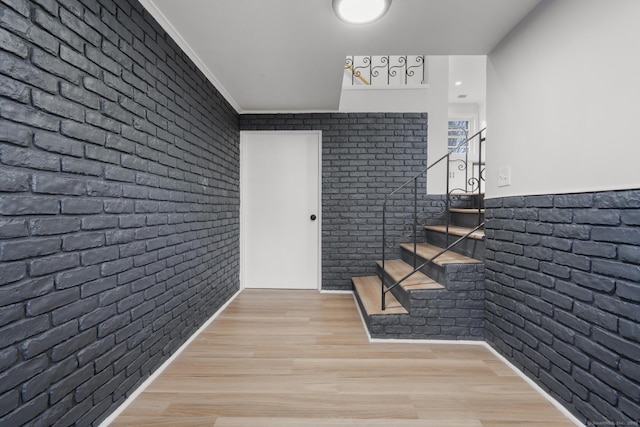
x: 119, y: 203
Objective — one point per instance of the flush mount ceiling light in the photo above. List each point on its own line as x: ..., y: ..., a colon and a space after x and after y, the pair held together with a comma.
x: 360, y: 11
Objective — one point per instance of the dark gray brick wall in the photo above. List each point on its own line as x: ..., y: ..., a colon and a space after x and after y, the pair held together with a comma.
x: 119, y: 202
x: 563, y: 297
x: 364, y: 157
x: 453, y: 313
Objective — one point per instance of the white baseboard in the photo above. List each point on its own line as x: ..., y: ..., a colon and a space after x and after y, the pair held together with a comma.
x: 164, y: 366
x: 503, y: 359
x: 336, y: 291
x: 536, y: 387
x: 521, y: 374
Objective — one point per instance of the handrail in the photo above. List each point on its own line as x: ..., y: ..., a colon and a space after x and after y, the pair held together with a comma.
x: 433, y: 258
x: 446, y: 156
x: 358, y: 74
x: 449, y: 192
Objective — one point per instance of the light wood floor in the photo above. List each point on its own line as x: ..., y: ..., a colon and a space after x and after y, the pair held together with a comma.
x: 301, y: 358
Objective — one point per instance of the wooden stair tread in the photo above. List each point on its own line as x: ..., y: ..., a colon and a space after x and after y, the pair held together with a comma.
x: 368, y: 289
x: 457, y: 231
x: 427, y: 251
x: 466, y: 193
x: 397, y: 269
x: 466, y: 211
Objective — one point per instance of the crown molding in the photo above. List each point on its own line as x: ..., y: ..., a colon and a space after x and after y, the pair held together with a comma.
x: 164, y: 22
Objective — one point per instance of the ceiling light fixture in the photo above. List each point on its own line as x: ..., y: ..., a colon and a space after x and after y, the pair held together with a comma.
x: 360, y: 11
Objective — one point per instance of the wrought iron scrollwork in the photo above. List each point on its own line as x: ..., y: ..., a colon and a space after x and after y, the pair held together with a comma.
x: 401, y: 66
x: 462, y: 164
x: 348, y: 65
x: 366, y: 64
x: 472, y: 188
x: 472, y: 181
x: 474, y: 184
x: 411, y: 70
x: 380, y: 70
x: 387, y: 69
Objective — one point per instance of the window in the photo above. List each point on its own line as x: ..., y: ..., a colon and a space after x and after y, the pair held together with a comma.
x: 458, y: 133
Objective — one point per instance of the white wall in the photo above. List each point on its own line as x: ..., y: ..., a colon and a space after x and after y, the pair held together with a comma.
x: 471, y: 72
x: 438, y: 122
x: 563, y: 100
x: 466, y: 110
x: 385, y: 99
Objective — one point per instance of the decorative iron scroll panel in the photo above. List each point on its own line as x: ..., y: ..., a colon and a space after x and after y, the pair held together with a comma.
x: 389, y: 70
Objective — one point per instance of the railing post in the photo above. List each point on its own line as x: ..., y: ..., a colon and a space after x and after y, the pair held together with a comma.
x: 384, y: 244
x: 466, y: 164
x: 415, y: 222
x: 480, y: 141
x: 447, y: 200
x: 406, y: 68
x: 353, y: 74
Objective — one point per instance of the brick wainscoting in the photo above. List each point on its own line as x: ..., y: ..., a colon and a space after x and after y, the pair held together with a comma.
x: 365, y: 156
x: 563, y: 297
x: 119, y: 203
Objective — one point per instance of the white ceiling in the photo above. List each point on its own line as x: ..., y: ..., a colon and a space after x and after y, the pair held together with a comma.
x: 288, y: 55
x: 471, y: 72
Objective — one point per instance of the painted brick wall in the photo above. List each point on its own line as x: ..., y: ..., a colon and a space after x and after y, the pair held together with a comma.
x: 563, y: 297
x: 119, y: 201
x: 453, y: 313
x: 364, y: 157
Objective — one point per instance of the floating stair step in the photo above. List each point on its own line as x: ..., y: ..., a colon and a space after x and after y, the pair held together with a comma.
x: 427, y: 251
x: 368, y: 290
x: 397, y: 269
x: 457, y: 231
x: 466, y: 211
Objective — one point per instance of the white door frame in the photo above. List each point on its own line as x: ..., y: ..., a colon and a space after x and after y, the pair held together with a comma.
x: 243, y: 192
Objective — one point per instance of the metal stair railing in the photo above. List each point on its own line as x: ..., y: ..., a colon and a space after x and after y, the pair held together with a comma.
x: 476, y: 187
x: 387, y: 70
x: 430, y: 260
x: 355, y: 73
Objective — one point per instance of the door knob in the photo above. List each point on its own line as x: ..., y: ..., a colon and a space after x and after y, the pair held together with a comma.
x: 313, y: 217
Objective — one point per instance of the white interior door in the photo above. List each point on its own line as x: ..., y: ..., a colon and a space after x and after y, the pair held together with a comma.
x: 280, y: 208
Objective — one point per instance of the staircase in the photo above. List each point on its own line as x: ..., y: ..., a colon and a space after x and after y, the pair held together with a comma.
x: 435, y: 288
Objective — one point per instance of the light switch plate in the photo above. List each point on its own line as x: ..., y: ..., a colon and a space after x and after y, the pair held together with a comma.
x: 504, y: 176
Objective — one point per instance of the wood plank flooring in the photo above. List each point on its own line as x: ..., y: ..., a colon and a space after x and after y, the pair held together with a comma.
x: 368, y: 288
x: 300, y: 358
